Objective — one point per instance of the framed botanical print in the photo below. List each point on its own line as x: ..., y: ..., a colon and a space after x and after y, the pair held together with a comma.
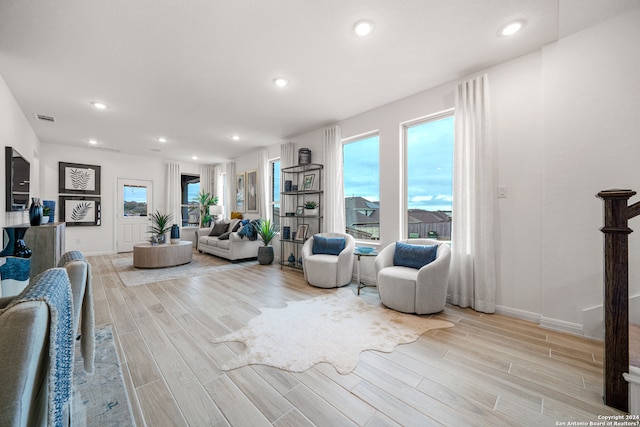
x: 79, y: 211
x: 240, y: 192
x: 307, y: 184
x: 75, y: 178
x: 252, y: 191
x: 301, y: 234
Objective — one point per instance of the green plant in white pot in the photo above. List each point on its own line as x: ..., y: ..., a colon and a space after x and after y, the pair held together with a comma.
x: 160, y: 226
x: 310, y: 208
x: 267, y: 231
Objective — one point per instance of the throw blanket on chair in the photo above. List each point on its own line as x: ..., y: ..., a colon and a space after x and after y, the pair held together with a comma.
x: 87, y: 325
x: 52, y: 287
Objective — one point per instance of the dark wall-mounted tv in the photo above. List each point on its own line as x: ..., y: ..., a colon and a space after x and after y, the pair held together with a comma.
x: 18, y: 177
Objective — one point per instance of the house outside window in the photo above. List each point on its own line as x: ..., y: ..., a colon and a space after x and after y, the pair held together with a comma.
x: 429, y: 176
x: 361, y: 168
x: 274, y: 170
x: 190, y: 209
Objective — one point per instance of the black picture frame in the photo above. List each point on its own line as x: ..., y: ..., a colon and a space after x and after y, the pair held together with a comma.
x: 78, y: 211
x: 77, y: 178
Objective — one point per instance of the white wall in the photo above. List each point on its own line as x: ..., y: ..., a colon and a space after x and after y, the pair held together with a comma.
x: 566, y: 126
x: 16, y: 132
x: 101, y: 239
x: 591, y: 111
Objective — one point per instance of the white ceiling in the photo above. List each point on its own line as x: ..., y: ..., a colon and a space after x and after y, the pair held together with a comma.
x: 199, y: 71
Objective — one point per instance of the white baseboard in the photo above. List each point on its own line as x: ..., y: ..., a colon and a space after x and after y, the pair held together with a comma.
x: 544, y: 322
x: 562, y: 326
x: 518, y: 314
x: 593, y: 318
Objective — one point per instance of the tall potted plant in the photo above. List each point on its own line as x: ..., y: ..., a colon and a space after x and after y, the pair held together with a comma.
x: 267, y: 231
x: 205, y: 200
x: 160, y: 225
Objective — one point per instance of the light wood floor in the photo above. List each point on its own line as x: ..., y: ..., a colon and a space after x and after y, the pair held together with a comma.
x: 489, y: 370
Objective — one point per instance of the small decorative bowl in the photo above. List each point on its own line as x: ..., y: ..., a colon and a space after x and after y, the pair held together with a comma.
x: 364, y: 250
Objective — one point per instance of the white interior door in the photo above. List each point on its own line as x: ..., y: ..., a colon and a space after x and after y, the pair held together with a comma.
x: 135, y: 204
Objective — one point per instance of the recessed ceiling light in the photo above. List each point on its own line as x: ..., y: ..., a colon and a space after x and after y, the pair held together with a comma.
x: 194, y: 157
x: 511, y: 28
x: 280, y: 82
x: 363, y: 28
x: 99, y: 105
x: 162, y: 139
x: 93, y: 141
x: 235, y: 137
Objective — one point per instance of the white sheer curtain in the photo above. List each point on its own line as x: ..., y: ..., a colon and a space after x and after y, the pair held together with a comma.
x: 174, y: 193
x: 334, y: 221
x: 473, y: 275
x: 207, y: 179
x: 263, y: 185
x: 217, y: 184
x: 230, y: 185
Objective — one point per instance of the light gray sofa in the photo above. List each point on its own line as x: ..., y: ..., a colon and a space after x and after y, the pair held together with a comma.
x: 24, y: 352
x: 235, y: 248
x: 24, y: 341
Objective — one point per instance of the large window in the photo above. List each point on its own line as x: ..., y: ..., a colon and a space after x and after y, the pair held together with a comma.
x: 361, y: 163
x: 190, y: 185
x: 429, y: 176
x: 275, y: 190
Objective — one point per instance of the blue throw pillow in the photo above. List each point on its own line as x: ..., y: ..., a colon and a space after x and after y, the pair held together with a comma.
x: 414, y: 256
x: 328, y: 245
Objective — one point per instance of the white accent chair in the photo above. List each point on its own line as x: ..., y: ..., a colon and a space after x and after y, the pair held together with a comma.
x: 328, y: 271
x: 410, y: 290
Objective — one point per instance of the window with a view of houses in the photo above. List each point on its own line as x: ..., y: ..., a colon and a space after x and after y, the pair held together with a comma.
x: 429, y: 176
x: 429, y: 180
x: 361, y: 167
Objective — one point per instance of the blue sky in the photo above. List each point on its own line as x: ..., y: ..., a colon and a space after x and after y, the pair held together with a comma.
x: 430, y: 166
x: 135, y: 194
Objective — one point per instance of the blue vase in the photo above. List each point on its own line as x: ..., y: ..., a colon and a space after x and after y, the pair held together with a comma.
x: 35, y: 211
x: 175, y: 233
x: 291, y: 259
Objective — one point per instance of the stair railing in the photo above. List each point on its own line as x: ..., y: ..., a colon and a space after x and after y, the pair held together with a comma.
x: 617, y: 213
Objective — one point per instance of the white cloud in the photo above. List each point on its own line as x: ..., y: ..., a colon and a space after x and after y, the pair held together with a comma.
x: 418, y: 199
x: 445, y: 197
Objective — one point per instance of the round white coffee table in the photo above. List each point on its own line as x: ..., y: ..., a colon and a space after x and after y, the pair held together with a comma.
x: 146, y: 255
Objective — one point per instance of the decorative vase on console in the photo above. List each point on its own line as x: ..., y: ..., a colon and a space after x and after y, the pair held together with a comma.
x: 175, y: 233
x: 35, y: 211
x: 291, y: 259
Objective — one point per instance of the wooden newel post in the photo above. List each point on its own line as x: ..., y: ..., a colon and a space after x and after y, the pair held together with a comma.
x: 616, y: 296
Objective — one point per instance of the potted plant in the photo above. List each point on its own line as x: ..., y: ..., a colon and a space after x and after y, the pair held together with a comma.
x: 160, y: 225
x: 205, y: 200
x: 267, y: 231
x: 310, y: 208
x: 46, y: 211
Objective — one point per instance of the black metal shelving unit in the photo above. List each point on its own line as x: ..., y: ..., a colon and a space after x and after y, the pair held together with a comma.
x: 307, y: 179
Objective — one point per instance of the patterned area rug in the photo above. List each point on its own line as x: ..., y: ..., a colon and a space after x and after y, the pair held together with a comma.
x: 333, y: 328
x: 101, y: 399
x: 200, y: 265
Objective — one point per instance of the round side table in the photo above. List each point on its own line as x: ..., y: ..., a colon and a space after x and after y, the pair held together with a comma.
x: 359, y: 254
